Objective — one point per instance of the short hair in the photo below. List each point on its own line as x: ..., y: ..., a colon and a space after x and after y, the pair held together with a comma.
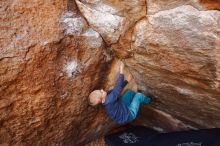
x: 92, y: 95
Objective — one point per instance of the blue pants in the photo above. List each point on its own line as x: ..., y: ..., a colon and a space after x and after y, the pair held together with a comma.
x: 133, y: 101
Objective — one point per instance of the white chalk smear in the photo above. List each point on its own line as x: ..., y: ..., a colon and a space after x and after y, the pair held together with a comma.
x: 184, y: 91
x: 102, y: 7
x: 105, y: 23
x: 72, y: 24
x: 70, y: 68
x: 91, y: 33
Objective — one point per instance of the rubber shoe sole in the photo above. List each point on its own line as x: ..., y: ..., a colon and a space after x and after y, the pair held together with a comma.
x: 150, y: 100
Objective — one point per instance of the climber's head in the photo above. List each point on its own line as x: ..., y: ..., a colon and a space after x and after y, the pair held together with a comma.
x: 96, y: 97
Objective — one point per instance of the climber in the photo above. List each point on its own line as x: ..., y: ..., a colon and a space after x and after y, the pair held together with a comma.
x: 121, y: 110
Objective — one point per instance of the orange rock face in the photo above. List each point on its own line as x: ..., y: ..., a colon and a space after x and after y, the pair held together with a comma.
x: 211, y: 4
x: 54, y: 53
x: 50, y: 60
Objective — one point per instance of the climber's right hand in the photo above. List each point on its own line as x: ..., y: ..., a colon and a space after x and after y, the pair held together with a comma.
x: 121, y: 68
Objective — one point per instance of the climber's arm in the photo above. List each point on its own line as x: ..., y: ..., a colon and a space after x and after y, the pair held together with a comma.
x: 113, y: 95
x: 119, y: 85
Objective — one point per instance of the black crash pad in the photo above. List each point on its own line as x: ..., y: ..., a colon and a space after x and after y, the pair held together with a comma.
x: 142, y: 136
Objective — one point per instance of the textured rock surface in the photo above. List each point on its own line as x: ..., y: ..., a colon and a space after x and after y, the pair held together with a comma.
x: 97, y: 142
x: 112, y: 18
x: 53, y: 53
x: 211, y: 4
x: 176, y: 52
x: 49, y: 62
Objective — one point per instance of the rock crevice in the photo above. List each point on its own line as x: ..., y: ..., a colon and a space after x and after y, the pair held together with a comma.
x: 54, y: 53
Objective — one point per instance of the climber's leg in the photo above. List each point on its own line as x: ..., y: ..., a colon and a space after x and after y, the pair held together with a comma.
x: 127, y: 97
x: 138, y: 99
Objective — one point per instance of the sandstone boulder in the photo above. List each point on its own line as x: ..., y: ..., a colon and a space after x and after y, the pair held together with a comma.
x: 50, y: 60
x: 54, y: 53
x: 112, y: 18
x: 176, y: 58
